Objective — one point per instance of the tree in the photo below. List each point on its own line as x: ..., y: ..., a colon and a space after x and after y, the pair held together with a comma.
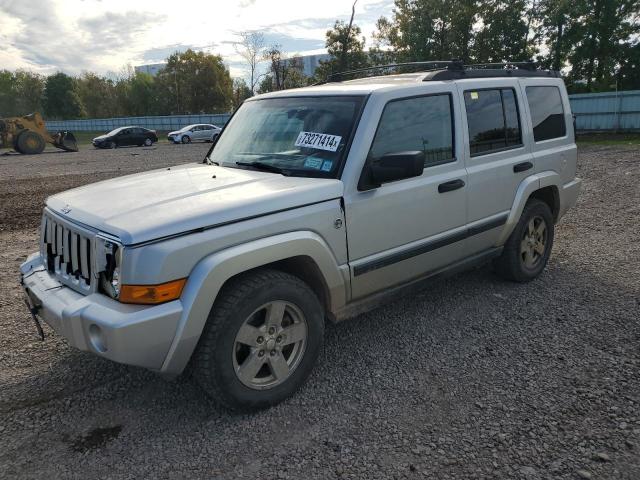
x: 599, y: 38
x: 98, y: 95
x: 241, y: 91
x: 422, y: 30
x: 250, y: 48
x: 195, y: 82
x: 504, y: 35
x: 284, y: 73
x: 61, y: 100
x: 29, y: 89
x: 345, y: 44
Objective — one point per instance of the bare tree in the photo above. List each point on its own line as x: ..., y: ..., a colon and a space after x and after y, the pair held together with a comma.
x: 345, y: 41
x: 250, y: 47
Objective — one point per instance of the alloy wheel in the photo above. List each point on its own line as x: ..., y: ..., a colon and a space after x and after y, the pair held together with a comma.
x: 270, y: 345
x: 534, y: 242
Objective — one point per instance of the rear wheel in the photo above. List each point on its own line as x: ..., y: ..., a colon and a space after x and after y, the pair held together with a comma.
x: 261, y: 340
x: 528, y: 249
x: 30, y: 142
x: 148, y: 142
x: 186, y: 139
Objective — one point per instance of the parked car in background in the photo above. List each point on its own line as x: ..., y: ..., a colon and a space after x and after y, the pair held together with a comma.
x: 126, y: 136
x: 203, y: 132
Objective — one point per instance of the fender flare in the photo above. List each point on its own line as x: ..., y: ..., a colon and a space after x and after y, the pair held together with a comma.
x: 209, y: 275
x: 525, y: 189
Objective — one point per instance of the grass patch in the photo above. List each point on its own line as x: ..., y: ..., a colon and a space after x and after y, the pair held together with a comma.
x: 609, y: 139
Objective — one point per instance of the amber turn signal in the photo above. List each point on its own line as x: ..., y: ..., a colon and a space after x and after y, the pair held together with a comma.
x: 152, y: 294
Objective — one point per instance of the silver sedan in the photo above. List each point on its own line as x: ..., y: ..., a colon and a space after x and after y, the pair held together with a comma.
x: 199, y: 132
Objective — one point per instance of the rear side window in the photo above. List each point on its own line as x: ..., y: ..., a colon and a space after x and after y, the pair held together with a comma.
x: 547, y: 114
x: 418, y: 123
x: 494, y: 123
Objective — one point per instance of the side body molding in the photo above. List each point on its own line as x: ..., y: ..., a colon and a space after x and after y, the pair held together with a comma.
x: 210, y: 274
x: 526, y: 188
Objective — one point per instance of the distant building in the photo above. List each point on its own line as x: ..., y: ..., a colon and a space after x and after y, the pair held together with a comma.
x: 309, y: 62
x: 152, y: 69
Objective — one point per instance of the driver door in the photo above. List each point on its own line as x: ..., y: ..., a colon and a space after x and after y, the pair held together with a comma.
x: 407, y: 228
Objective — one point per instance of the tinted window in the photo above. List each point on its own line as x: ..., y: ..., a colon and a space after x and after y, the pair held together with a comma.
x: 423, y: 123
x: 492, y: 116
x: 547, y: 114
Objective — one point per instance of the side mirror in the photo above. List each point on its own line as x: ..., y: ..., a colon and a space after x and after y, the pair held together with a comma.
x: 391, y: 167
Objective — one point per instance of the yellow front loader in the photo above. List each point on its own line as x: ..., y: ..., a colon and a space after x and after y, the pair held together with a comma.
x: 28, y: 135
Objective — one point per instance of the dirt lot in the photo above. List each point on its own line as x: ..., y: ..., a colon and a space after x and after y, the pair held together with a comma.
x: 474, y: 378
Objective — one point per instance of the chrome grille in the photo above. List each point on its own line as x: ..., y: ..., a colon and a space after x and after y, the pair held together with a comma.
x: 68, y: 252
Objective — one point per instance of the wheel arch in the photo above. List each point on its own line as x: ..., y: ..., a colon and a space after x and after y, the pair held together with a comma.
x: 302, y: 254
x: 544, y: 186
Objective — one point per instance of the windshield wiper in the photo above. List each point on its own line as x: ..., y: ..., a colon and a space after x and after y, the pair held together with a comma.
x: 267, y: 167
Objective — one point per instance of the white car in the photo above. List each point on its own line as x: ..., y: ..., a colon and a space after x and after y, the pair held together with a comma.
x: 200, y: 132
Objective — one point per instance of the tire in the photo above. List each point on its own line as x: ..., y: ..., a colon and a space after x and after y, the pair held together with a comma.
x: 215, y: 137
x: 528, y: 248
x: 112, y: 144
x: 186, y: 139
x: 241, y: 310
x: 148, y: 142
x: 30, y: 142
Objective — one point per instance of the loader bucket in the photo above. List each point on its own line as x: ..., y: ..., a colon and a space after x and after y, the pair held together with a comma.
x: 66, y: 141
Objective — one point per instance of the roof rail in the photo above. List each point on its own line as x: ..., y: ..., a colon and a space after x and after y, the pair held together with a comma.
x: 454, y: 70
x: 424, y: 67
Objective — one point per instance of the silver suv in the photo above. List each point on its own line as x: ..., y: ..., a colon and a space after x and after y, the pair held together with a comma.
x: 314, y: 204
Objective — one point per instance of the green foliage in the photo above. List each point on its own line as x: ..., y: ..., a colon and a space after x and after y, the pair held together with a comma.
x: 195, y: 82
x: 342, y: 39
x: 61, y: 99
x: 283, y: 73
x: 593, y: 42
x: 20, y: 92
x: 241, y: 92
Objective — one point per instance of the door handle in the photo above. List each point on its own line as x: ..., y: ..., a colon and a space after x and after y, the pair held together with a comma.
x: 450, y: 186
x: 522, y: 167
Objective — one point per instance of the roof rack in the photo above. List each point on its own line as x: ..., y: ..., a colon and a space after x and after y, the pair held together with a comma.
x: 452, y: 70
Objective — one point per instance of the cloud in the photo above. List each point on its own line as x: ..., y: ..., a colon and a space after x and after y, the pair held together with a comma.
x: 47, y: 39
x: 76, y: 35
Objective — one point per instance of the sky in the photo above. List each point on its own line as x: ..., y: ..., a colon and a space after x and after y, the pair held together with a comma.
x: 104, y: 36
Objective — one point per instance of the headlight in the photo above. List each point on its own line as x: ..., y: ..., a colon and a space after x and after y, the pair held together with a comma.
x: 109, y: 257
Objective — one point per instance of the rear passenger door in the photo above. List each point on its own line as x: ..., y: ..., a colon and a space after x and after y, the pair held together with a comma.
x: 497, y: 158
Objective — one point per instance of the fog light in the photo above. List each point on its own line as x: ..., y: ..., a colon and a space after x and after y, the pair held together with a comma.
x: 96, y: 337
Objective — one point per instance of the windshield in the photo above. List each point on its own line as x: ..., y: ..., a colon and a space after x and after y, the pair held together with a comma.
x: 304, y: 136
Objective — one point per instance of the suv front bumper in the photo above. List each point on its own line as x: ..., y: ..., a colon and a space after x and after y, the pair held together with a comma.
x: 132, y: 334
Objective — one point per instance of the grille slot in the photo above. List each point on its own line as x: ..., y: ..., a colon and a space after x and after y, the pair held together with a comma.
x: 68, y: 252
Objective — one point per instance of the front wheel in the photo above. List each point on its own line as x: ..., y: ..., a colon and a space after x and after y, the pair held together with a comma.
x: 186, y: 139
x: 261, y: 340
x: 527, y: 250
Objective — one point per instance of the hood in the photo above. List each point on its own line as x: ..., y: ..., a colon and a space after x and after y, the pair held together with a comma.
x: 146, y: 206
x: 101, y: 137
x: 175, y: 132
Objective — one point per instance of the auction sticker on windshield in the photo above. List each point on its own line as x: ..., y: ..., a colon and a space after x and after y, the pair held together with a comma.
x: 320, y: 141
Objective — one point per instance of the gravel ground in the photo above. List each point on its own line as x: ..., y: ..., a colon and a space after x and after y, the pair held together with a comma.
x: 474, y: 378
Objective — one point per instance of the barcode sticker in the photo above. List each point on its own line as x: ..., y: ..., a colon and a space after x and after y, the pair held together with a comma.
x: 320, y: 141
